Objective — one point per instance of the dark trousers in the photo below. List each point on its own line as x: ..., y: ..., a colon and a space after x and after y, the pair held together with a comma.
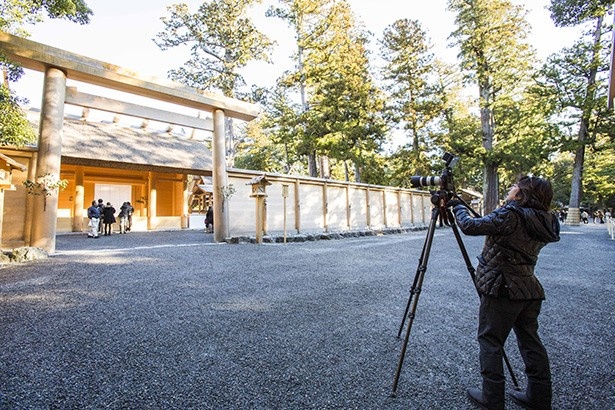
x: 497, y: 316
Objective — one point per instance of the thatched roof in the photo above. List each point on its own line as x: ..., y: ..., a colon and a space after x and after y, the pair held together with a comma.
x: 107, y: 144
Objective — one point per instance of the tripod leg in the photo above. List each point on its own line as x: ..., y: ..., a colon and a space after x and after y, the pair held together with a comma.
x: 472, y: 271
x: 416, y: 290
x: 421, y: 266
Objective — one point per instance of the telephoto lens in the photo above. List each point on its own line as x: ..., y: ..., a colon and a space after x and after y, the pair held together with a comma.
x: 418, y: 181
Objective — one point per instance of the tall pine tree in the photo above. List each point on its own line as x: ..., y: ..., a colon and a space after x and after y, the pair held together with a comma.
x: 491, y: 35
x: 582, y: 62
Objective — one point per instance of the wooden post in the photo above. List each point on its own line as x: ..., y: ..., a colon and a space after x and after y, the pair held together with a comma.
x: 284, y: 195
x: 259, y: 219
x: 368, y: 216
x: 45, y: 215
x: 151, y: 202
x: 385, y: 219
x: 78, y: 201
x: 185, y: 222
x: 220, y: 178
x: 325, y: 207
x: 348, y: 207
x: 297, y: 207
x: 399, y: 214
x: 259, y: 185
x: 412, y: 207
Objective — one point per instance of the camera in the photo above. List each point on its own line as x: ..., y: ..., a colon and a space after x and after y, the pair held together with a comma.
x: 444, y: 181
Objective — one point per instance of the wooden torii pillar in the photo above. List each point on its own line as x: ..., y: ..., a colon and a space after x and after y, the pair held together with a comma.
x: 220, y: 179
x: 45, y: 216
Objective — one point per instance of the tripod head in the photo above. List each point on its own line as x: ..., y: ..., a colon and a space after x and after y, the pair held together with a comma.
x: 440, y: 199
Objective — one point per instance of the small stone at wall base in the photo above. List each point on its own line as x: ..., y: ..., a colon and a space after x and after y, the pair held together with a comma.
x: 22, y: 254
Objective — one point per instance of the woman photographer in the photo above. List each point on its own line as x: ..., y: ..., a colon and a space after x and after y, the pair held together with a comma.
x: 511, y: 295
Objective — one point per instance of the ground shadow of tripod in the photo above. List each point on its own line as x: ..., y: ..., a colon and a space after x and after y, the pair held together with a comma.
x: 439, y: 214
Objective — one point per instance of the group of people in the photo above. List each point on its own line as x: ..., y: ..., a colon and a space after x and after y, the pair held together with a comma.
x: 102, y: 217
x: 598, y: 216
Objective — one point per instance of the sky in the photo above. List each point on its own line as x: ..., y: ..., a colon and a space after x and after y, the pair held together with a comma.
x: 121, y: 33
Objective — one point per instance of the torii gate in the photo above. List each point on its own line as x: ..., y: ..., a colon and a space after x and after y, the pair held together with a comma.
x: 58, y: 65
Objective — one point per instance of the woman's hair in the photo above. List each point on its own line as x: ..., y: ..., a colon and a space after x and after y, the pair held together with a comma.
x: 535, y: 192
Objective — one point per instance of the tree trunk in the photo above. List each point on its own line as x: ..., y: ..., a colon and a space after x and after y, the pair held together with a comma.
x: 312, y: 168
x: 490, y: 184
x: 490, y: 188
x: 576, y: 187
x: 325, y: 167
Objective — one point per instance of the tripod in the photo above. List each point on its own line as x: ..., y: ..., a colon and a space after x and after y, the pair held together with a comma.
x: 445, y: 216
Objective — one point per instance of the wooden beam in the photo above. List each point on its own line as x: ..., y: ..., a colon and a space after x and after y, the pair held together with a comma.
x: 75, y: 97
x: 37, y: 56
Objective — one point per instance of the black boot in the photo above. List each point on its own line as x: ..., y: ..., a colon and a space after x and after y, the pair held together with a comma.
x: 476, y: 397
x: 490, y: 398
x: 537, y: 396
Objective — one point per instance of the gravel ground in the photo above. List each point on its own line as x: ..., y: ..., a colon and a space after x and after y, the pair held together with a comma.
x: 170, y: 320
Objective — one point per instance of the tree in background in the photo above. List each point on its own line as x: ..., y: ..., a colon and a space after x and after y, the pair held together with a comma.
x: 573, y: 79
x: 222, y: 41
x: 14, y: 126
x: 413, y: 102
x: 274, y: 133
x: 345, y: 103
x: 491, y: 35
x: 458, y: 128
x: 14, y: 15
x: 309, y: 21
x: 258, y: 152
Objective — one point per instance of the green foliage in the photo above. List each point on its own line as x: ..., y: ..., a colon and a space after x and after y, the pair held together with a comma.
x: 339, y: 116
x: 329, y: 111
x: 45, y: 185
x: 495, y: 55
x: 575, y: 82
x: 222, y: 40
x: 462, y: 137
x: 14, y: 14
x: 413, y: 101
x: 14, y: 126
x: 258, y: 152
x: 599, y: 179
x: 280, y: 125
x: 559, y: 171
x: 574, y: 12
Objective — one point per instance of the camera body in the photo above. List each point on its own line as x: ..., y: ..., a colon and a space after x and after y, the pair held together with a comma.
x: 446, y: 191
x: 444, y: 181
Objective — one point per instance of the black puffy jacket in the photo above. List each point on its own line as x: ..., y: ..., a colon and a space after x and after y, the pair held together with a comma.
x: 515, y: 236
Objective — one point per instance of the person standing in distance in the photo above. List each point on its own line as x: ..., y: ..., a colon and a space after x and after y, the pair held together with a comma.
x: 101, y: 208
x: 94, y: 215
x: 108, y: 215
x: 510, y: 294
